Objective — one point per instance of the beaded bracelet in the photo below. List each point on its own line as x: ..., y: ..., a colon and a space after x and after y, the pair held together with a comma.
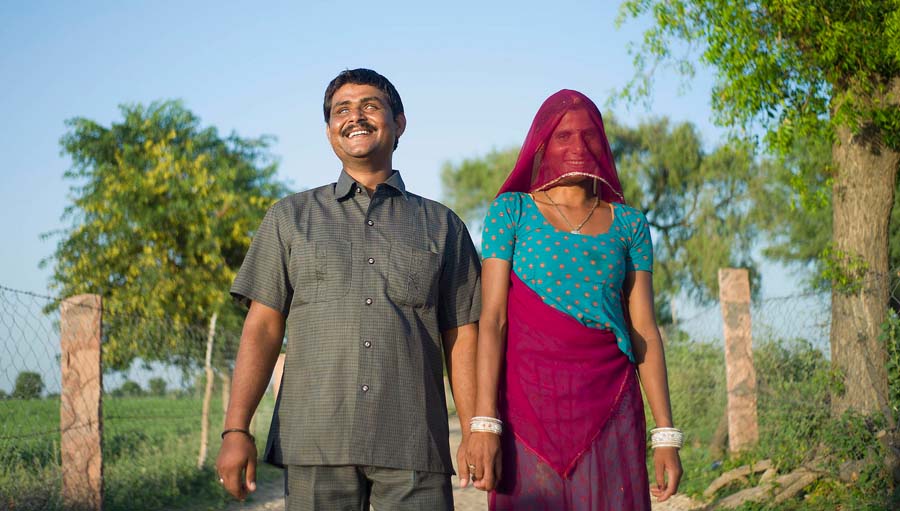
x: 666, y: 437
x: 486, y: 425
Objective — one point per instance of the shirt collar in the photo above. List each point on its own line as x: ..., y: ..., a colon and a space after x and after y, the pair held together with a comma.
x: 346, y: 184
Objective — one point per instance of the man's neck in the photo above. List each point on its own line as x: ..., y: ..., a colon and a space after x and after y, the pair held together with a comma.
x: 369, y: 177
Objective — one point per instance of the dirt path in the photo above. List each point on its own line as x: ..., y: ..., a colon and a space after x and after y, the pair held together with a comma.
x: 270, y: 497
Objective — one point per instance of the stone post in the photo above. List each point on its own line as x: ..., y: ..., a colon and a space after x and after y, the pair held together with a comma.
x: 740, y: 376
x: 80, y: 416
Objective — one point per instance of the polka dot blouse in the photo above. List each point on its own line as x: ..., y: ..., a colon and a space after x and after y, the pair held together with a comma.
x: 578, y: 274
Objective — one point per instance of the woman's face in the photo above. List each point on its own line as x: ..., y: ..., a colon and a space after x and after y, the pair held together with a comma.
x: 575, y: 146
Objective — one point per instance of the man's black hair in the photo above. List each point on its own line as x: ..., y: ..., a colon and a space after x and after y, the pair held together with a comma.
x: 363, y: 76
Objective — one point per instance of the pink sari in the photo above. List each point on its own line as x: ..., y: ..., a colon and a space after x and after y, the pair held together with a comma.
x: 574, y: 429
x: 572, y: 412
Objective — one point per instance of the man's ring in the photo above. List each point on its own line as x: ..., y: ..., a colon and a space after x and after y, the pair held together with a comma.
x: 471, y: 469
x: 221, y: 480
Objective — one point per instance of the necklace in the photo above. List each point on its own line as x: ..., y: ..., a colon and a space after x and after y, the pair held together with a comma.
x: 574, y: 229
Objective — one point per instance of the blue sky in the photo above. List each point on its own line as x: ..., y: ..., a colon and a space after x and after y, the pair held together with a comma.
x: 471, y: 75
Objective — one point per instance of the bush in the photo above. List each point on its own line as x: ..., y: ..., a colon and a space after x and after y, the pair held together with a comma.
x: 129, y: 389
x: 29, y: 385
x: 157, y: 387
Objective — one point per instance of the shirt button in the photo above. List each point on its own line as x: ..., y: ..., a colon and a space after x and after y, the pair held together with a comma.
x: 371, y: 260
x: 358, y: 190
x: 370, y: 223
x: 364, y: 388
x: 368, y: 301
x: 367, y: 344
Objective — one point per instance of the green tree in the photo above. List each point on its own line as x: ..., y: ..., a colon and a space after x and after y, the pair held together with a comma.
x: 162, y: 214
x: 157, y: 387
x: 820, y: 69
x: 129, y: 388
x: 29, y: 385
x: 695, y: 201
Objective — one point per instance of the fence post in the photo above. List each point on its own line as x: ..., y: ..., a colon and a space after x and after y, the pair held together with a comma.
x: 80, y: 417
x: 740, y: 376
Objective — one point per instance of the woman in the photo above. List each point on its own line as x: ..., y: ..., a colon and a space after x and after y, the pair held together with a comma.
x: 567, y: 315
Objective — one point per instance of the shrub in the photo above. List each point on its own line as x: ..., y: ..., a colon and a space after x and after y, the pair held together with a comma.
x: 29, y: 385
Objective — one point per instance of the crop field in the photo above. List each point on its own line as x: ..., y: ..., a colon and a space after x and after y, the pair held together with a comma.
x: 150, y: 448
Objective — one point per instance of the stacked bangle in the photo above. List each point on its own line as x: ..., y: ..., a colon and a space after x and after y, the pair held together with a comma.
x: 486, y: 424
x: 666, y: 437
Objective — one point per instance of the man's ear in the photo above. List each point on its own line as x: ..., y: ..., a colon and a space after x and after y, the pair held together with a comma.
x: 400, y: 121
x: 327, y: 132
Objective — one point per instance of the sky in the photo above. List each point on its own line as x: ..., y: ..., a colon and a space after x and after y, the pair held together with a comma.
x: 471, y: 75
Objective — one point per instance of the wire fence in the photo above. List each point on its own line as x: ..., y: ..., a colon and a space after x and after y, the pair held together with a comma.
x: 154, y: 384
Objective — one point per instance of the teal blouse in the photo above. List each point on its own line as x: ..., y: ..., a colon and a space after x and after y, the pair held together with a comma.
x: 578, y: 274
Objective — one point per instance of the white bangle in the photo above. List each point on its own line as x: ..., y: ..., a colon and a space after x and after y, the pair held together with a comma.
x: 486, y: 425
x: 666, y: 437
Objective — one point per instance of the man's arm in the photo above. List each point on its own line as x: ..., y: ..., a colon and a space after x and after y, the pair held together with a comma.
x: 459, y: 350
x: 260, y: 345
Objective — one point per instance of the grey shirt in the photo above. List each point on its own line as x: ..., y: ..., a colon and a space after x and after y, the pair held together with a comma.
x: 367, y: 285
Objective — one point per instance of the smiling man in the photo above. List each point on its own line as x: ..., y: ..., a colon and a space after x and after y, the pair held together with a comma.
x: 371, y: 284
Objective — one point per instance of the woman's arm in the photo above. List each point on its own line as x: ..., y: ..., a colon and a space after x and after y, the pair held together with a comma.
x: 651, y: 361
x: 484, y: 448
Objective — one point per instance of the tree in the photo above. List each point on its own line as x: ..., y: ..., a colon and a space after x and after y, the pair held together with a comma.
x: 157, y: 387
x: 162, y: 214
x: 129, y: 388
x: 29, y: 385
x: 821, y: 69
x: 695, y: 201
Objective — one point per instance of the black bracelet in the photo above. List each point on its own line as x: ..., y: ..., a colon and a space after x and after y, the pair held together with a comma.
x: 239, y: 430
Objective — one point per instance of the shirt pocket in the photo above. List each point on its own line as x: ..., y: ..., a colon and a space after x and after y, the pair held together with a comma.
x: 413, y: 276
x: 321, y: 271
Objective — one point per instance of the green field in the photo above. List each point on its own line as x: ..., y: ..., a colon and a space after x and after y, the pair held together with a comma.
x: 150, y: 448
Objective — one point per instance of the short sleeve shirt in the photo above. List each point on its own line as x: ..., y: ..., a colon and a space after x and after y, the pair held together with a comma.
x: 367, y: 285
x: 581, y: 275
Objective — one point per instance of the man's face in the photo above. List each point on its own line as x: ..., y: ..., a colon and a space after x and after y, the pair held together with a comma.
x: 362, y: 125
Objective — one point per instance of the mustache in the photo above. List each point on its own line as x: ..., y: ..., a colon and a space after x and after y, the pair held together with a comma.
x: 360, y: 125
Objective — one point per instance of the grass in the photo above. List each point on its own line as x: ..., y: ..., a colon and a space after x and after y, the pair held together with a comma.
x: 150, y: 450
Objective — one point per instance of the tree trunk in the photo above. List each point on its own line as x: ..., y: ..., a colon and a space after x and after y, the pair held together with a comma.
x: 863, y: 195
x: 207, y: 395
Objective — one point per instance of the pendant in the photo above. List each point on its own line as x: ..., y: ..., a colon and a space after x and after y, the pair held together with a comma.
x: 575, y: 231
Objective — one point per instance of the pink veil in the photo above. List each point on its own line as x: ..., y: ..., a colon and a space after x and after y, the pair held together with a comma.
x: 532, y: 174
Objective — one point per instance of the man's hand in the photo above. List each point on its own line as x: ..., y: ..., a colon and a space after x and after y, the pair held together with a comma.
x: 483, y: 451
x: 668, y: 472
x: 236, y: 465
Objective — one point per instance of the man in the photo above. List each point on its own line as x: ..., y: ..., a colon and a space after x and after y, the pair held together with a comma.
x: 371, y: 282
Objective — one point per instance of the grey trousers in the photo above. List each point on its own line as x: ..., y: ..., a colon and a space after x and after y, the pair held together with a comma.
x: 355, y: 488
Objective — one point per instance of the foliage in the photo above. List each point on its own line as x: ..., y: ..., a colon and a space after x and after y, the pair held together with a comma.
x: 789, y: 66
x: 696, y: 202
x: 891, y: 338
x: 470, y: 185
x: 161, y: 216
x: 129, y: 388
x: 29, y: 385
x: 794, y: 384
x: 157, y: 387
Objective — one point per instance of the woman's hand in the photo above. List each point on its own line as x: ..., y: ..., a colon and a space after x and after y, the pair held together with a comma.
x: 483, y: 452
x: 667, y: 465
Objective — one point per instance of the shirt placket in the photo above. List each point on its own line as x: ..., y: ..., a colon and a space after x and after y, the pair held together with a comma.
x: 373, y: 307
